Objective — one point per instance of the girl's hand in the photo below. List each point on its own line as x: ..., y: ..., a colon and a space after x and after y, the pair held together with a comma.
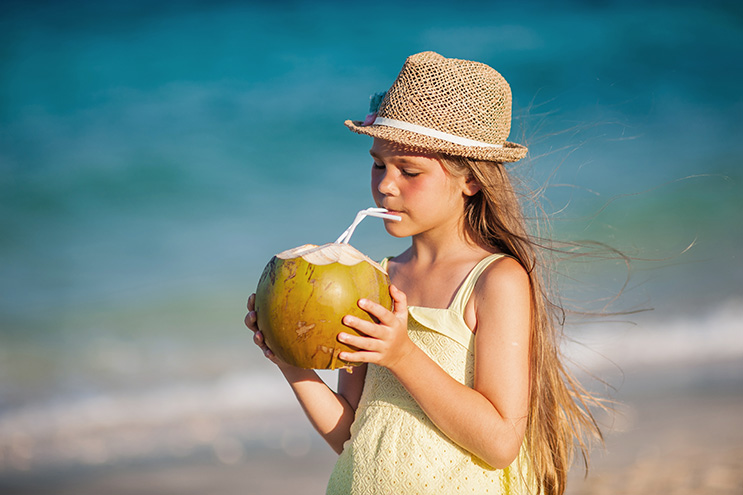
x: 251, y: 321
x: 385, y: 343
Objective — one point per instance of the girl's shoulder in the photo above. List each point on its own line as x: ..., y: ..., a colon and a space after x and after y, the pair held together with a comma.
x: 504, y: 272
x: 502, y: 288
x: 504, y: 281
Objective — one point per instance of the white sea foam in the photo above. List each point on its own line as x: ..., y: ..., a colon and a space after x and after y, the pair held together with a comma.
x: 712, y: 336
x: 169, y: 421
x: 257, y: 405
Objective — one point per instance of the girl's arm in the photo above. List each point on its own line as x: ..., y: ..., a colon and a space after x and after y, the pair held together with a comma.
x: 331, y: 413
x: 488, y: 420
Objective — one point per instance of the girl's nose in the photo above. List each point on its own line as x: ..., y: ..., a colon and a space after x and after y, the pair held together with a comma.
x: 386, y: 185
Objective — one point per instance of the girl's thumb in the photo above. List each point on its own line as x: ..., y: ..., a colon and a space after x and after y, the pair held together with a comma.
x: 400, y: 300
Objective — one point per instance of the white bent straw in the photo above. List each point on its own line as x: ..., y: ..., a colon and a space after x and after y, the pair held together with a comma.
x: 369, y: 212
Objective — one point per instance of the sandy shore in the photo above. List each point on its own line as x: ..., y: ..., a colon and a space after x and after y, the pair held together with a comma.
x: 679, y: 431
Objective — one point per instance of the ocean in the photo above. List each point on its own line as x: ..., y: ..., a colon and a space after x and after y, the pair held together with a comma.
x: 155, y: 155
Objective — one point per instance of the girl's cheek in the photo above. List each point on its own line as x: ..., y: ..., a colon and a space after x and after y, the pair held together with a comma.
x: 375, y: 188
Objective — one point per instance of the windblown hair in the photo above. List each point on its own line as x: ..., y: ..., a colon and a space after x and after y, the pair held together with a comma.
x: 560, y: 421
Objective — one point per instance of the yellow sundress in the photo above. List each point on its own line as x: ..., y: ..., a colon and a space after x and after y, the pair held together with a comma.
x: 394, y: 447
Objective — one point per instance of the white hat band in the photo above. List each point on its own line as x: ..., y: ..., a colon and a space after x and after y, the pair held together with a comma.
x: 445, y: 136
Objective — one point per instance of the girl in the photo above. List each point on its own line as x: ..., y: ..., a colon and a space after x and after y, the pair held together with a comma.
x: 461, y: 386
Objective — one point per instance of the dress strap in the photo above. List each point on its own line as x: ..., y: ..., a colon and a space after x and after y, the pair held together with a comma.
x: 450, y: 321
x: 465, y: 291
x: 384, y: 262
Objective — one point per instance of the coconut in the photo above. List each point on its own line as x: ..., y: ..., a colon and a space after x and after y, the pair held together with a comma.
x: 303, y: 295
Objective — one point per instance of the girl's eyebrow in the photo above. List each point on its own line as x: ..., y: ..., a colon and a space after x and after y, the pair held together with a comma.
x: 397, y: 159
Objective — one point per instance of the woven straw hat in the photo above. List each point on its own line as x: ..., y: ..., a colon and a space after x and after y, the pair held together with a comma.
x: 446, y: 105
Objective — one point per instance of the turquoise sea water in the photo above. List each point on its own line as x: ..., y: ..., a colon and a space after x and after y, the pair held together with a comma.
x: 155, y: 155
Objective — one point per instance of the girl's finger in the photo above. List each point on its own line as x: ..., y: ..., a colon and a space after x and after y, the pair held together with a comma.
x: 384, y: 315
x: 363, y: 326
x: 400, y: 300
x: 358, y: 357
x: 251, y: 302
x: 363, y: 343
x: 250, y: 321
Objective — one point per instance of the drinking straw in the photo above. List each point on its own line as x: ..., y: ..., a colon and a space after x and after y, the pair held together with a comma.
x: 369, y: 212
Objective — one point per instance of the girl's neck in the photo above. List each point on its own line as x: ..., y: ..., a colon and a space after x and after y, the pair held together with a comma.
x: 429, y: 248
x: 432, y: 269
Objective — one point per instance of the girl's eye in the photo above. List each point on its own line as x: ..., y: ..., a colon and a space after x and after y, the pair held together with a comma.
x: 377, y: 166
x: 408, y: 173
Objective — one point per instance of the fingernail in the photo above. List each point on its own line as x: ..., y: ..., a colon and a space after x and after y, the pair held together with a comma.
x: 342, y: 337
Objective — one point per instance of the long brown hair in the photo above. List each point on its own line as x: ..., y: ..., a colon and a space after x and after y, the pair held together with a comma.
x: 560, y: 418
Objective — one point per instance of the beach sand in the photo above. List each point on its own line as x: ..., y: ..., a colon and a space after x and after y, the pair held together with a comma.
x: 679, y: 431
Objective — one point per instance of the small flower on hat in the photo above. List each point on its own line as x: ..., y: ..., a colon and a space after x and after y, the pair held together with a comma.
x: 374, y: 101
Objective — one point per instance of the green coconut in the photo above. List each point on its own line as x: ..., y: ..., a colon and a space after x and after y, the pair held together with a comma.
x: 303, y: 295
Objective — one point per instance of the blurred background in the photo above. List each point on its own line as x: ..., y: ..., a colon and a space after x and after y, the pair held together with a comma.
x: 155, y: 155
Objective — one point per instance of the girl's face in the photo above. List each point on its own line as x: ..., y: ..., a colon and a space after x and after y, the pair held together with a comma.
x: 418, y: 188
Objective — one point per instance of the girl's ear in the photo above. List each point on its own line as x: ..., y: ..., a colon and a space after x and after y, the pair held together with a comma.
x: 471, y: 187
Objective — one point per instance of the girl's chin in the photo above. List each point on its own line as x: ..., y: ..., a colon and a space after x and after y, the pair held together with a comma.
x: 394, y: 230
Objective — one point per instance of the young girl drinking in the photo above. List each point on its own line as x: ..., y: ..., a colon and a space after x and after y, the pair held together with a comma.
x: 461, y: 387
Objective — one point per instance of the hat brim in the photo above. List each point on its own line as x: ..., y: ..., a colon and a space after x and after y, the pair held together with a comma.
x: 510, y: 152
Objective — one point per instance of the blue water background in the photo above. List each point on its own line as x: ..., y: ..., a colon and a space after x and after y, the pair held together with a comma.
x: 155, y: 155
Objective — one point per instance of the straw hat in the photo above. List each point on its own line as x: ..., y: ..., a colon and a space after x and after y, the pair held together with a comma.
x: 446, y: 105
